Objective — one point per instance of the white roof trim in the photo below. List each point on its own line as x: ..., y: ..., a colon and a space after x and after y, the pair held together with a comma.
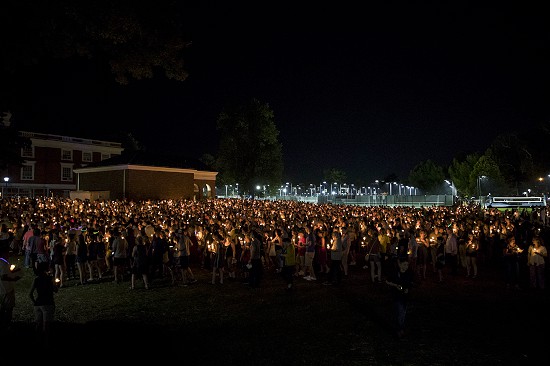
x: 197, y: 174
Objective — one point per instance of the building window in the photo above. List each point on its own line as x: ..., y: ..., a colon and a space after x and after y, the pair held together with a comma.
x: 27, y: 152
x: 27, y: 172
x: 66, y: 154
x: 86, y: 156
x: 105, y: 156
x: 66, y: 173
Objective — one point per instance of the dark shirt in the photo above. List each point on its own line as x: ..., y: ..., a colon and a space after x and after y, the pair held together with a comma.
x: 45, y: 289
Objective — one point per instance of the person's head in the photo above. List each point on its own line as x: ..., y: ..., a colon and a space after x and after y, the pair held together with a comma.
x: 537, y: 241
x: 403, y: 264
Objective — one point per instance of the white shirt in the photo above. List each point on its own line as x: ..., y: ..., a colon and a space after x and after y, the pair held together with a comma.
x: 536, y: 259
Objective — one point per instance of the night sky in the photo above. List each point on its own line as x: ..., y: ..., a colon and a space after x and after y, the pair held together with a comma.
x: 369, y: 91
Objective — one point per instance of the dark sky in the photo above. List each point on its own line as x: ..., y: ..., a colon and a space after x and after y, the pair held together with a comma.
x: 370, y: 91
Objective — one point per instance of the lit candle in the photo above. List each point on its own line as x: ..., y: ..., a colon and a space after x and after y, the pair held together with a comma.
x: 12, y: 267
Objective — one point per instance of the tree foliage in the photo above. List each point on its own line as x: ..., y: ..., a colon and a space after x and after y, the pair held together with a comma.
x: 134, y: 39
x: 514, y: 157
x: 460, y: 173
x: 11, y: 144
x: 250, y: 153
x: 334, y: 175
x: 427, y: 176
x: 486, y: 172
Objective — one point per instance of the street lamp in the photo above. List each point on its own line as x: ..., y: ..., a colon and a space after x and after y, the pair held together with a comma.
x: 453, y: 188
x: 6, y: 180
x: 479, y: 178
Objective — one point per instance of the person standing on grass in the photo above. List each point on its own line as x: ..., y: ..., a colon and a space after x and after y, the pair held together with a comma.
x: 451, y: 250
x: 288, y: 254
x: 472, y: 246
x: 335, y: 273
x: 81, y: 258
x: 373, y: 255
x: 93, y: 260
x: 346, y: 243
x: 536, y: 261
x: 44, y: 288
x: 511, y: 263
x: 140, y: 263
x: 401, y: 281
x: 120, y: 256
x: 58, y: 259
x: 309, y: 272
x: 321, y: 251
x: 70, y: 256
x: 8, y: 276
x: 218, y: 257
x: 183, y: 247
x: 256, y: 270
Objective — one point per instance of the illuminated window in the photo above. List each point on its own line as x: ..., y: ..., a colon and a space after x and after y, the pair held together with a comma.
x: 66, y: 154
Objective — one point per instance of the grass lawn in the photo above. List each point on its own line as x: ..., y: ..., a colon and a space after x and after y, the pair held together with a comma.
x: 459, y: 322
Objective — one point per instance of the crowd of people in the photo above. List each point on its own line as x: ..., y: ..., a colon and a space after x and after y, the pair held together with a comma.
x: 85, y: 241
x: 72, y: 241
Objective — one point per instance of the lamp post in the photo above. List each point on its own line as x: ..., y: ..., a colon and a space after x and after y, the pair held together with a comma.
x: 479, y: 178
x: 453, y: 188
x: 6, y: 180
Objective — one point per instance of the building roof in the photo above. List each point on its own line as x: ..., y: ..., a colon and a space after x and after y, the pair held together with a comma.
x: 152, y: 159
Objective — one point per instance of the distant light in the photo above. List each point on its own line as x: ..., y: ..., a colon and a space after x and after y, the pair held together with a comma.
x: 6, y: 179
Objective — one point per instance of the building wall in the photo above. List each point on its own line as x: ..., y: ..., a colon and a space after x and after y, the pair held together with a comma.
x: 143, y: 184
x: 111, y: 181
x: 47, y: 161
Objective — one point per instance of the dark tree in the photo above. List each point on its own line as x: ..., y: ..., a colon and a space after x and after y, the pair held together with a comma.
x: 250, y: 153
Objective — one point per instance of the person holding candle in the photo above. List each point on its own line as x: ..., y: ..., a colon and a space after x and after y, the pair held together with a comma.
x: 321, y: 251
x: 472, y: 246
x: 218, y: 249
x: 8, y: 275
x: 335, y: 273
x: 423, y: 253
x: 58, y: 258
x: 511, y: 263
x: 309, y: 272
x: 373, y: 255
x: 451, y: 250
x: 255, y: 261
x: 289, y: 258
x: 536, y: 257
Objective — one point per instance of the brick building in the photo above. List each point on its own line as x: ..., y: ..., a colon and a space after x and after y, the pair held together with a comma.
x: 140, y: 175
x: 50, y: 161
